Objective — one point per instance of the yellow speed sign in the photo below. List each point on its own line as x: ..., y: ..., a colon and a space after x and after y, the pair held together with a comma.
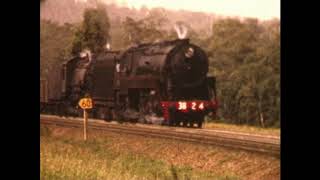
x: 85, y: 103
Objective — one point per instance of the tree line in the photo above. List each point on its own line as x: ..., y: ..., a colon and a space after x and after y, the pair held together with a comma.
x: 244, y: 55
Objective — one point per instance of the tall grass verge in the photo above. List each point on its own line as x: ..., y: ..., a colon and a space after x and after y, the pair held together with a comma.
x: 66, y: 158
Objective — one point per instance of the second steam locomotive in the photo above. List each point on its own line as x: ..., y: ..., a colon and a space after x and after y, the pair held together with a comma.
x: 163, y: 83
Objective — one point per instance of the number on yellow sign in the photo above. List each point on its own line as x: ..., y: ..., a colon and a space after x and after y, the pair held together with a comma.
x: 85, y: 103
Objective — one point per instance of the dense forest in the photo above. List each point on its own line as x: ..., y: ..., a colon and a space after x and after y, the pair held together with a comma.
x: 244, y: 53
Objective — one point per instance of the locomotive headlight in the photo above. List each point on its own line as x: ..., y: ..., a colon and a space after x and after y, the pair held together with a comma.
x: 189, y: 53
x: 152, y: 92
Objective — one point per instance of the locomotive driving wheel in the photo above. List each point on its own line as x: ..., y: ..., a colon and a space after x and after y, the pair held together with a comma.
x: 185, y: 122
x: 199, y: 124
x: 100, y: 113
x: 172, y: 117
x: 104, y: 113
x: 200, y: 120
x: 191, y: 123
x: 120, y: 106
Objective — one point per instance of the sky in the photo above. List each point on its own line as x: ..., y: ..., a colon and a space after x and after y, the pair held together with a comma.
x: 262, y: 9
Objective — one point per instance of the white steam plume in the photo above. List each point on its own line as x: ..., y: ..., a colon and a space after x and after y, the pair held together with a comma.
x: 181, y: 31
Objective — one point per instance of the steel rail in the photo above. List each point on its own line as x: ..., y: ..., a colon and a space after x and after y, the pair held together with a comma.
x: 248, y: 143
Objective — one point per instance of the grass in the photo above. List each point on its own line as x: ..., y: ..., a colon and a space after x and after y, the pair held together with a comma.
x: 70, y: 158
x: 242, y: 128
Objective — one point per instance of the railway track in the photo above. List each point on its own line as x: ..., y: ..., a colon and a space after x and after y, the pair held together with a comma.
x: 242, y: 141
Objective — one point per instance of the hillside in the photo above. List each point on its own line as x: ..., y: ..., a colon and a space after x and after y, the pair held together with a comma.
x: 70, y: 11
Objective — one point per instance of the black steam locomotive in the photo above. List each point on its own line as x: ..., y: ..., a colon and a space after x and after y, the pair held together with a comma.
x: 164, y: 83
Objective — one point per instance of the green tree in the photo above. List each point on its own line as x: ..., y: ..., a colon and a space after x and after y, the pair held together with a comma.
x: 93, y: 32
x: 245, y: 57
x: 55, y: 45
x: 148, y: 29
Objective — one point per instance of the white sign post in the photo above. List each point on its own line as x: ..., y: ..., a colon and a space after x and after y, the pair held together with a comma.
x: 85, y: 103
